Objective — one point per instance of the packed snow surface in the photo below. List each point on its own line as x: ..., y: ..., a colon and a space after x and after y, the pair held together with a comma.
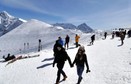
x: 109, y: 63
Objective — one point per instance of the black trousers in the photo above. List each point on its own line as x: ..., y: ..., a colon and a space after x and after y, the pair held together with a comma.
x: 60, y: 71
x: 77, y: 44
x: 67, y: 43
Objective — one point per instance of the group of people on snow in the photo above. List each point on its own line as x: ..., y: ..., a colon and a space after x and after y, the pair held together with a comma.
x: 80, y: 59
x: 67, y: 40
x: 60, y: 56
x: 121, y: 33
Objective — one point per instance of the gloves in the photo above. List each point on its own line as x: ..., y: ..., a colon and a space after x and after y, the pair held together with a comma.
x: 87, y: 70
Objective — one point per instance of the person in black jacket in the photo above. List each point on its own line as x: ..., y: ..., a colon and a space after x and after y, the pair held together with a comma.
x: 92, y: 39
x: 9, y: 57
x: 67, y: 39
x: 60, y: 57
x: 105, y: 35
x: 80, y: 60
x: 55, y: 50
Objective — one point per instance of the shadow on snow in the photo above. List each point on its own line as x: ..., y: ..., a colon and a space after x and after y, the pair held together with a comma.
x: 45, y: 65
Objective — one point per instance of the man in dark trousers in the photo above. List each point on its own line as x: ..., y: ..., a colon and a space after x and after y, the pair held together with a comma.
x: 122, y: 37
x: 105, y: 35
x: 92, y: 39
x: 60, y: 56
x: 67, y: 39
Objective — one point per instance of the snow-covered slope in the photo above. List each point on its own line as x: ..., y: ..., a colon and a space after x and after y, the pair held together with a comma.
x: 30, y: 32
x: 8, y: 22
x: 109, y: 64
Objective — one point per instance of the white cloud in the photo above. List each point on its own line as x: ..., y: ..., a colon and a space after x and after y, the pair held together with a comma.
x: 27, y: 5
x: 108, y: 18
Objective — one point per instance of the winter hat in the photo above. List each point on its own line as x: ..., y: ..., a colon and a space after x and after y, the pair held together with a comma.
x: 59, y: 45
x: 81, y: 48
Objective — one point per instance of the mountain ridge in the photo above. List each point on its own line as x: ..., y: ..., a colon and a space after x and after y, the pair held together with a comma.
x: 82, y: 27
x: 9, y: 22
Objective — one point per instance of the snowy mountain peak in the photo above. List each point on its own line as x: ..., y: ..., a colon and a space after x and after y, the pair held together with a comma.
x: 35, y: 21
x: 85, y: 28
x: 65, y: 25
x: 5, y: 15
x: 8, y: 22
x: 84, y: 24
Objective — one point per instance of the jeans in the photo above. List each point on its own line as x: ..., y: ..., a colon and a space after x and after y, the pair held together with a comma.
x: 80, y: 70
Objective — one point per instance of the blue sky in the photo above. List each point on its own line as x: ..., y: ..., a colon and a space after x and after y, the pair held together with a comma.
x: 98, y: 14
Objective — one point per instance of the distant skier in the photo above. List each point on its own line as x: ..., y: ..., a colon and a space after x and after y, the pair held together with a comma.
x: 77, y: 40
x: 39, y: 46
x: 60, y: 57
x: 122, y: 37
x: 129, y: 33
x: 105, y: 35
x: 80, y: 60
x: 113, y: 34
x: 67, y: 39
x: 92, y: 39
x: 9, y: 57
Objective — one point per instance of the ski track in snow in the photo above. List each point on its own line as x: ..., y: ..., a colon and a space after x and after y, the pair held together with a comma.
x: 109, y: 64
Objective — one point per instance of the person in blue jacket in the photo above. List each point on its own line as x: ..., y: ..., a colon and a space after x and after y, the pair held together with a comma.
x: 60, y: 41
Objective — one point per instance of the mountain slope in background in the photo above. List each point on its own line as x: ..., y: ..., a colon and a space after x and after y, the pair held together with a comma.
x: 30, y: 32
x: 65, y: 25
x: 8, y: 22
x: 82, y: 27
